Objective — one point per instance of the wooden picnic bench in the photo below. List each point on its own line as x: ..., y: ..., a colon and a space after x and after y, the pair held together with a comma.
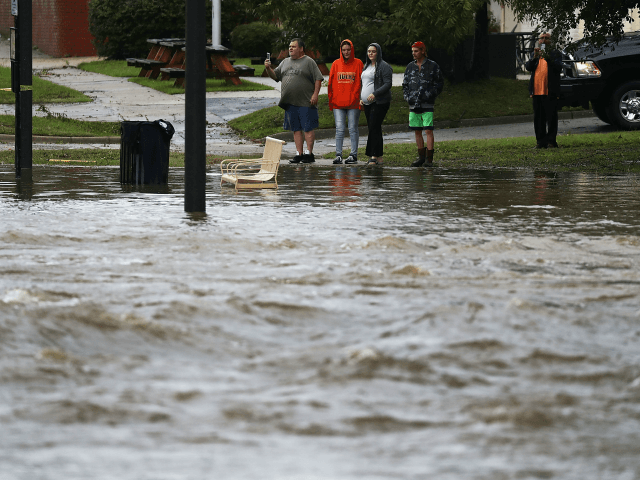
x: 167, y: 60
x: 161, y: 55
x: 218, y: 66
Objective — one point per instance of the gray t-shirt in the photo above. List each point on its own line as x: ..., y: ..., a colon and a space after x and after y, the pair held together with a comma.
x: 367, y: 83
x: 298, y: 79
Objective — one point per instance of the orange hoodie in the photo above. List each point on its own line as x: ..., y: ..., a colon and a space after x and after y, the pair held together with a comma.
x: 345, y: 82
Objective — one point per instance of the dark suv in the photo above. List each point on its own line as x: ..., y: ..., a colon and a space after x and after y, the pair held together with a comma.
x: 609, y: 78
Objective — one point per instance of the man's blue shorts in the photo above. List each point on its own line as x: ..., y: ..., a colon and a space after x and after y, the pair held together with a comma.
x: 297, y: 119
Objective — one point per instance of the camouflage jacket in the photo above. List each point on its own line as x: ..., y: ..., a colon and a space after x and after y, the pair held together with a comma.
x: 420, y: 87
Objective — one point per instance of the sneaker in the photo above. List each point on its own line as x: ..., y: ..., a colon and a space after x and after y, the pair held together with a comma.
x: 338, y: 160
x: 351, y: 159
x: 296, y: 159
x: 308, y: 158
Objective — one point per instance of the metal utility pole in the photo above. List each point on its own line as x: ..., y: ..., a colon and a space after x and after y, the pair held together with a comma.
x: 21, y: 84
x: 216, y: 22
x: 195, y: 111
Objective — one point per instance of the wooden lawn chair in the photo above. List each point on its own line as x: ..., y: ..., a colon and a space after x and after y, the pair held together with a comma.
x: 254, y: 173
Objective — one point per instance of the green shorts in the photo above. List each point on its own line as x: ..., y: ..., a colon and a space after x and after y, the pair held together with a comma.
x: 421, y: 121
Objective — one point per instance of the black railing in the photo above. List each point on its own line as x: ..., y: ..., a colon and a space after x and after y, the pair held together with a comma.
x: 525, y: 43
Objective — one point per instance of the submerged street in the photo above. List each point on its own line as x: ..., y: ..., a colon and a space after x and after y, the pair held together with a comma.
x: 354, y: 324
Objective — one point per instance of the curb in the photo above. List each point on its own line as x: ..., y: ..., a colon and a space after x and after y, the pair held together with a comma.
x: 324, y: 133
x: 56, y: 139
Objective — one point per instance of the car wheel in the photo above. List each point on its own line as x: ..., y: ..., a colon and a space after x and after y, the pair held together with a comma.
x: 624, y: 106
x: 600, y: 109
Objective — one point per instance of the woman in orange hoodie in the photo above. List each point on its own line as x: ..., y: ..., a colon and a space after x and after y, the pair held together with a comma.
x: 344, y: 98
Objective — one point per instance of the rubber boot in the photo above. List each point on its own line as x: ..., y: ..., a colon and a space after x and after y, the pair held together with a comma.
x: 429, y: 157
x: 422, y: 156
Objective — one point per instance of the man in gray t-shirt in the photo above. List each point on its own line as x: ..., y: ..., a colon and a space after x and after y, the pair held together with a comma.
x: 301, y: 80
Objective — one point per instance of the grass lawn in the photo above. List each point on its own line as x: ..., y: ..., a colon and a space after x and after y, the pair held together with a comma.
x: 43, y: 91
x: 605, y: 153
x: 483, y: 99
x: 119, y: 68
x: 59, y: 125
x: 213, y: 85
x: 615, y: 152
x: 113, y: 68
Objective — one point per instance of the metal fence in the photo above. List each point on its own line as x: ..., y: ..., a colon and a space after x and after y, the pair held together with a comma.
x: 525, y: 43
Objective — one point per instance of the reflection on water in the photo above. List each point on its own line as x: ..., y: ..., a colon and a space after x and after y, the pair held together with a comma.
x: 360, y: 323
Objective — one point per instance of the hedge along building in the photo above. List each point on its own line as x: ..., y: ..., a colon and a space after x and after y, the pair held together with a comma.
x: 60, y: 27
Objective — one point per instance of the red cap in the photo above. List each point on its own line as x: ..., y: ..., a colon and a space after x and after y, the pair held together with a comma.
x: 419, y: 45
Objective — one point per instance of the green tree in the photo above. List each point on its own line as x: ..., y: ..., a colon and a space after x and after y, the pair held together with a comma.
x: 602, y: 18
x: 394, y: 24
x: 446, y: 25
x: 321, y: 23
x: 254, y: 39
x: 121, y: 27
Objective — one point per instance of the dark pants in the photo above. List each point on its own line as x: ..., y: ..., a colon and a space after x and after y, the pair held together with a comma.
x: 375, y: 114
x: 545, y: 119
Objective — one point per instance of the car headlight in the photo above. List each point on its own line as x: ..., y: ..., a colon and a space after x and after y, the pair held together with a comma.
x: 586, y: 70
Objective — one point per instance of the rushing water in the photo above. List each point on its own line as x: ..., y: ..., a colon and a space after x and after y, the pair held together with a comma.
x: 355, y: 324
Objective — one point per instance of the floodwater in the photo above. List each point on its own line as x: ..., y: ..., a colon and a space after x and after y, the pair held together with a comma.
x: 358, y: 323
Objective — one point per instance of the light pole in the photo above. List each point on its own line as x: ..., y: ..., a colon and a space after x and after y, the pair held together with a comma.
x: 21, y: 84
x: 216, y: 22
x: 195, y: 111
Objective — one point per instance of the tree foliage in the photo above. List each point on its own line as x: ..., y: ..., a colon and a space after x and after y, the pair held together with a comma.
x: 391, y: 23
x: 121, y: 27
x: 255, y: 39
x: 603, y: 19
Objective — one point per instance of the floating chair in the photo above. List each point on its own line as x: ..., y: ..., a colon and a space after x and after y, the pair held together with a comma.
x: 254, y: 173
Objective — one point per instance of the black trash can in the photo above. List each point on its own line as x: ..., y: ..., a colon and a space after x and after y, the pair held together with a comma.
x: 144, y: 152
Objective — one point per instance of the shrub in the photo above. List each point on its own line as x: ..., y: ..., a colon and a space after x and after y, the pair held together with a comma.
x: 121, y: 27
x: 255, y: 39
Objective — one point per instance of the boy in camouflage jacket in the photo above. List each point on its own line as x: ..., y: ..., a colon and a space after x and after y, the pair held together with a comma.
x: 423, y: 82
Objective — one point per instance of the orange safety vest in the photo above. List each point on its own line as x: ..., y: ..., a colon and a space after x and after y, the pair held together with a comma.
x: 541, y: 78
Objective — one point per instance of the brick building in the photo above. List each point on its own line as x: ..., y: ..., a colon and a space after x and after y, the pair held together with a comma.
x: 60, y: 27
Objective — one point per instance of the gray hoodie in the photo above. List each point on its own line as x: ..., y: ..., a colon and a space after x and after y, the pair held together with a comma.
x: 383, y: 77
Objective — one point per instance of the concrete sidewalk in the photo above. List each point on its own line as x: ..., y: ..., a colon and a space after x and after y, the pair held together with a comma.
x: 116, y: 99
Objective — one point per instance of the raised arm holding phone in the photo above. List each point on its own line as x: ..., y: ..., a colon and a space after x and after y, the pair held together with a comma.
x: 301, y: 80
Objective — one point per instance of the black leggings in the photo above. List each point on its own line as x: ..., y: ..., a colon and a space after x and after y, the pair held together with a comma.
x: 375, y: 114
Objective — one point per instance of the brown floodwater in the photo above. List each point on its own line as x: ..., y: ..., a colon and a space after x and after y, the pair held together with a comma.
x: 358, y: 323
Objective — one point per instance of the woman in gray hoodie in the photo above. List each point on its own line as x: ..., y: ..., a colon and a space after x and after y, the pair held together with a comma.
x: 375, y: 98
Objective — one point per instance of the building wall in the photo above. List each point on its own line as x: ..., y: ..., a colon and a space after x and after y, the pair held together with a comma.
x: 60, y: 27
x: 511, y: 24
